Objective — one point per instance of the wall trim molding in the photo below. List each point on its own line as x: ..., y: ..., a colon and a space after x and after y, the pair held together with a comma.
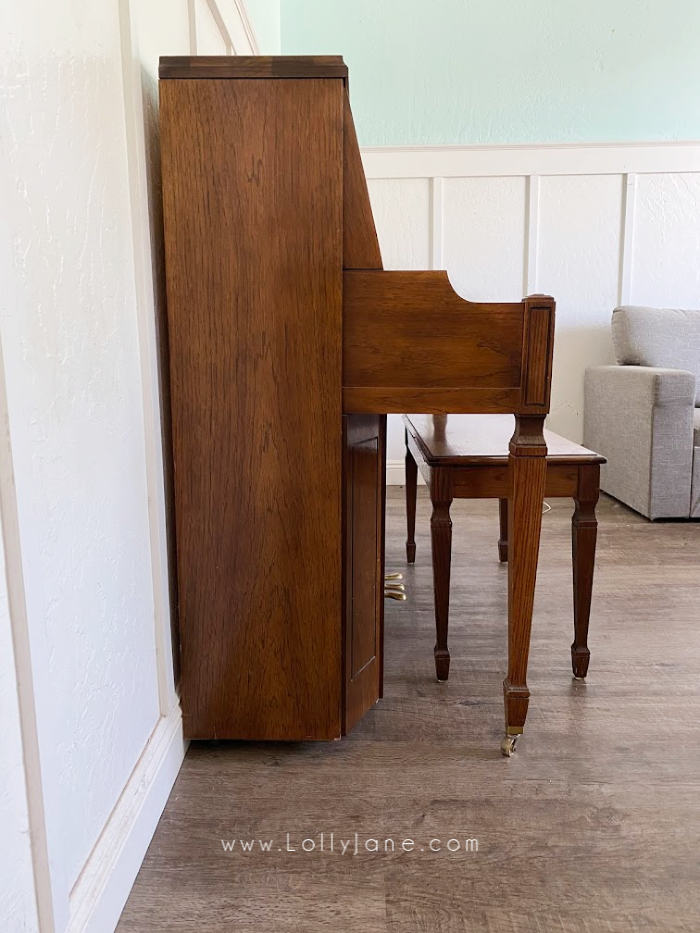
x: 629, y: 201
x: 436, y: 223
x: 136, y: 148
x: 47, y: 896
x: 545, y: 159
x: 395, y: 473
x: 248, y: 28
x: 99, y: 894
x: 532, y: 227
x: 233, y: 23
x: 221, y: 26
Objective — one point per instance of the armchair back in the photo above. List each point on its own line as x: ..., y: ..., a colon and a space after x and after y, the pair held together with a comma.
x: 665, y: 337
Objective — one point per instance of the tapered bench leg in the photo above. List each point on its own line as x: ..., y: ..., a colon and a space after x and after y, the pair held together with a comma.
x: 441, y: 537
x: 527, y: 467
x: 411, y: 494
x: 584, y: 531
x: 503, y: 522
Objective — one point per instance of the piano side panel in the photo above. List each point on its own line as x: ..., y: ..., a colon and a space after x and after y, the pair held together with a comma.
x: 411, y: 343
x: 460, y: 400
x: 360, y: 242
x: 254, y: 308
x: 364, y: 474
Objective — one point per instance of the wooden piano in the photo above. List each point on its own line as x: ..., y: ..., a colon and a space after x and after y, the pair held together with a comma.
x: 288, y: 344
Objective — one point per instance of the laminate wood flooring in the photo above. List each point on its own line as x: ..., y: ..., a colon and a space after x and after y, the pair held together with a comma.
x: 593, y: 826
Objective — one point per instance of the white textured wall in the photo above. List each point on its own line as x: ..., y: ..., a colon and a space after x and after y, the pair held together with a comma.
x: 590, y: 237
x: 483, y: 235
x: 265, y: 19
x: 70, y: 338
x: 665, y: 264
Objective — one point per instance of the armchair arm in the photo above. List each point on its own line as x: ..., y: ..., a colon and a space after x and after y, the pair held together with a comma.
x: 641, y: 419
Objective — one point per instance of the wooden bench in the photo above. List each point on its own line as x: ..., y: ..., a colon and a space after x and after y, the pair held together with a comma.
x: 466, y: 457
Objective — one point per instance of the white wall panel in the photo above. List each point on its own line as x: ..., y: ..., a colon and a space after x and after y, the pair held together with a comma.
x: 665, y: 259
x: 484, y: 237
x: 401, y: 208
x: 578, y: 261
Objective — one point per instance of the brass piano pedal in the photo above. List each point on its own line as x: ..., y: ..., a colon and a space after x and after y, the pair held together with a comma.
x: 392, y: 588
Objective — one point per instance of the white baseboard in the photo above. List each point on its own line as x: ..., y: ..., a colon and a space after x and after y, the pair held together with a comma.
x: 99, y: 895
x: 395, y: 473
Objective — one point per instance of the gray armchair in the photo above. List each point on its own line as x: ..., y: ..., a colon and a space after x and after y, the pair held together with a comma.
x: 644, y: 414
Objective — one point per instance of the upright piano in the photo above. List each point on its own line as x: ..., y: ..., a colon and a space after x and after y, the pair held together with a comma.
x: 288, y: 344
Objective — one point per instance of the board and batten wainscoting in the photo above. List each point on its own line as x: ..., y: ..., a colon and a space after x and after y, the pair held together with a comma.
x: 595, y: 225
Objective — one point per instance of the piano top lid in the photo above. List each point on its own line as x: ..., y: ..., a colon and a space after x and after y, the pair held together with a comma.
x: 252, y: 66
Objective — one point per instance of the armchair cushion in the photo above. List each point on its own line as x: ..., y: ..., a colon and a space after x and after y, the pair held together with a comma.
x: 667, y: 338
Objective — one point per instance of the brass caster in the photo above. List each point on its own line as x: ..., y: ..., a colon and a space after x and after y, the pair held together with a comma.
x: 508, y: 743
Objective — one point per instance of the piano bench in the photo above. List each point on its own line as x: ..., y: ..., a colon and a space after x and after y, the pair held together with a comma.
x: 466, y: 457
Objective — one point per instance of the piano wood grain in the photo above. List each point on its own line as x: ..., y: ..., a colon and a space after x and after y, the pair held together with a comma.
x: 411, y: 343
x: 254, y: 313
x: 360, y: 242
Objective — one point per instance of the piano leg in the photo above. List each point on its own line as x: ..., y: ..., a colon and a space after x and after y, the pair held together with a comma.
x: 441, y: 537
x: 527, y: 467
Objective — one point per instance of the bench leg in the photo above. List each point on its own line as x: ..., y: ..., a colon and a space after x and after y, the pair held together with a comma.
x: 584, y: 531
x: 527, y: 468
x: 411, y: 494
x: 441, y: 537
x: 503, y: 521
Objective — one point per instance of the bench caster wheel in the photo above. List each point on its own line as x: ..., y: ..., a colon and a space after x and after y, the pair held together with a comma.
x: 508, y: 743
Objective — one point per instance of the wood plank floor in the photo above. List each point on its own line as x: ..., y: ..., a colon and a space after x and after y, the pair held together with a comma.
x: 593, y: 826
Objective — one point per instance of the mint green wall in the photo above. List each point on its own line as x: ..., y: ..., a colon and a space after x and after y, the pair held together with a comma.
x: 264, y: 16
x: 432, y: 72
